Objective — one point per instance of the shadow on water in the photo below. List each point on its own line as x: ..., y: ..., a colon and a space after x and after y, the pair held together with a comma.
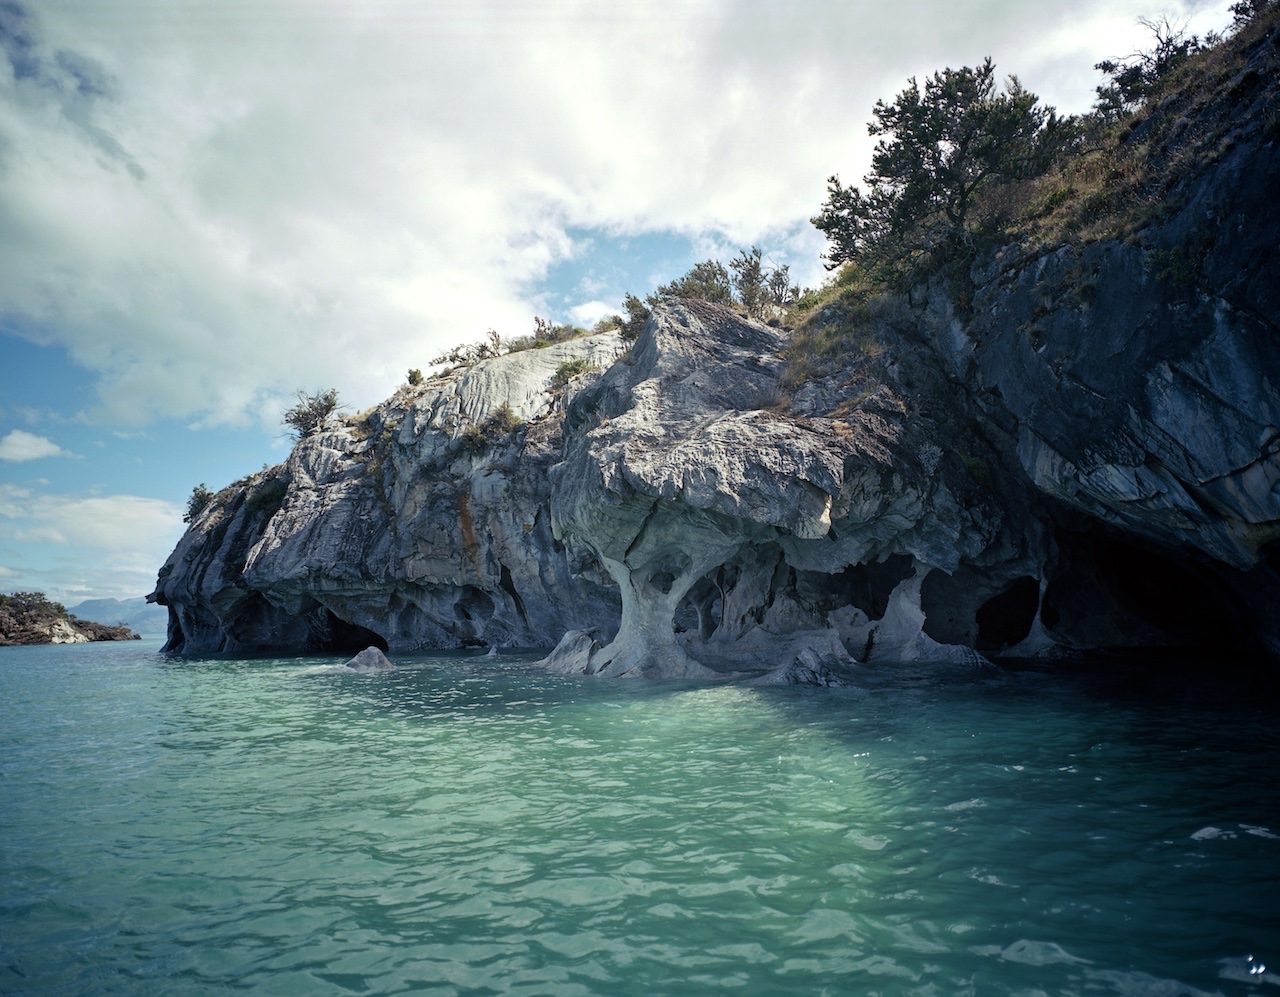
x: 1147, y: 686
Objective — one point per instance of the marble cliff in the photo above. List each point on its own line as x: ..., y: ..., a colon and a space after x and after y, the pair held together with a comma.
x: 1079, y: 453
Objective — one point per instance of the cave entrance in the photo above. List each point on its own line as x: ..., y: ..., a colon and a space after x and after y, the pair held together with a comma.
x: 1006, y: 618
x: 759, y: 582
x: 869, y: 586
x: 344, y: 637
x: 1107, y: 592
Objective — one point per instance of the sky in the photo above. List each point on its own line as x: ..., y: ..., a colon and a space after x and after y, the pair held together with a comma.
x: 208, y: 205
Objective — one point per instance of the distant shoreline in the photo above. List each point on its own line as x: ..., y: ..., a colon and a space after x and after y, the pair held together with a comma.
x: 28, y: 618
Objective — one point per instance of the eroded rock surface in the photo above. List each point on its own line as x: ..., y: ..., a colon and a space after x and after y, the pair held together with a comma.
x: 371, y: 659
x: 679, y: 519
x: 423, y: 524
x: 743, y: 537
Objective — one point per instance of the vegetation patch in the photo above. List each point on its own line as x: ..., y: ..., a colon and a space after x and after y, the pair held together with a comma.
x: 312, y: 412
x: 839, y: 329
x: 979, y: 470
x: 568, y: 370
x: 501, y: 424
x: 197, y: 501
x: 267, y: 498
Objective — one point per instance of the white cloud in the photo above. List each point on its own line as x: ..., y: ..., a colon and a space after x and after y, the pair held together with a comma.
x: 211, y: 205
x: 589, y: 313
x: 94, y: 545
x: 19, y: 445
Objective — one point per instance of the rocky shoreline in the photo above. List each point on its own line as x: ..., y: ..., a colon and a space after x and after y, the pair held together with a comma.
x: 18, y: 632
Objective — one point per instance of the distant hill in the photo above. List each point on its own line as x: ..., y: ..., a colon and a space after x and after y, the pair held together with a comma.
x: 134, y: 613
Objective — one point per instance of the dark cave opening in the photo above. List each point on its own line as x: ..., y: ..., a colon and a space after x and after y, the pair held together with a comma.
x: 473, y: 602
x: 508, y: 585
x: 868, y: 586
x: 1112, y: 593
x: 347, y: 637
x: 747, y: 591
x: 175, y: 638
x: 1006, y: 618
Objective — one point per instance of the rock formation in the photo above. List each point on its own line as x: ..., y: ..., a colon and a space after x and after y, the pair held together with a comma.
x: 421, y: 525
x: 1079, y: 451
x: 742, y: 535
x: 371, y: 659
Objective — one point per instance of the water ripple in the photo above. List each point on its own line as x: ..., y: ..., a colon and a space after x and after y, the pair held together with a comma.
x: 461, y: 826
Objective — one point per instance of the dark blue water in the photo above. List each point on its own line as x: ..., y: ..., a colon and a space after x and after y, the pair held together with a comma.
x: 470, y: 826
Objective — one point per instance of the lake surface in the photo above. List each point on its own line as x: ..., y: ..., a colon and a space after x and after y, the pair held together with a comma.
x: 472, y: 826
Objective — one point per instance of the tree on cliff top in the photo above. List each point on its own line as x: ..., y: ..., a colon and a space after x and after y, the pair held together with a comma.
x: 312, y: 412
x: 1136, y: 77
x: 199, y: 498
x: 751, y: 285
x: 1244, y: 11
x: 708, y: 281
x: 940, y: 146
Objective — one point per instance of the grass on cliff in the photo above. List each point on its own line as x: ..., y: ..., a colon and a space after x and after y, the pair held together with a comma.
x: 1126, y: 176
x: 832, y: 326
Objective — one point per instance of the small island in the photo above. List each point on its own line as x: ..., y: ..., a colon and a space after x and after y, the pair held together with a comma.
x: 31, y: 618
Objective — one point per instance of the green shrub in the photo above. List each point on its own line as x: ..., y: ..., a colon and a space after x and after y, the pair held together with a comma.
x: 549, y: 332
x: 521, y: 343
x: 200, y: 497
x: 979, y: 470
x: 568, y: 370
x: 502, y: 423
x: 268, y: 496
x: 31, y: 607
x: 467, y: 354
x: 637, y: 316
x: 312, y: 412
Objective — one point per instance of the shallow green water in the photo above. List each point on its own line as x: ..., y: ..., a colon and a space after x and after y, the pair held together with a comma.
x: 174, y: 826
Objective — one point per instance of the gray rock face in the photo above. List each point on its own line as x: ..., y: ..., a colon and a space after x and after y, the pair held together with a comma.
x: 670, y: 522
x: 742, y: 536
x: 1140, y: 383
x: 1164, y: 413
x: 422, y: 524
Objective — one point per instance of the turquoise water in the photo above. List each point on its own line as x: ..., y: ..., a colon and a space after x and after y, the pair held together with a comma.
x: 470, y: 826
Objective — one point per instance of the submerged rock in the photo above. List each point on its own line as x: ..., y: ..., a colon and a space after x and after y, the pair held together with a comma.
x: 806, y: 669
x: 371, y: 659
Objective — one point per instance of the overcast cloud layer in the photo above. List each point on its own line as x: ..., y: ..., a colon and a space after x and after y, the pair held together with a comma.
x: 213, y: 203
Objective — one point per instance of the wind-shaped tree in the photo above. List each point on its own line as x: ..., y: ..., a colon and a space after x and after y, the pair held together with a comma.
x: 312, y: 412
x: 940, y: 145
